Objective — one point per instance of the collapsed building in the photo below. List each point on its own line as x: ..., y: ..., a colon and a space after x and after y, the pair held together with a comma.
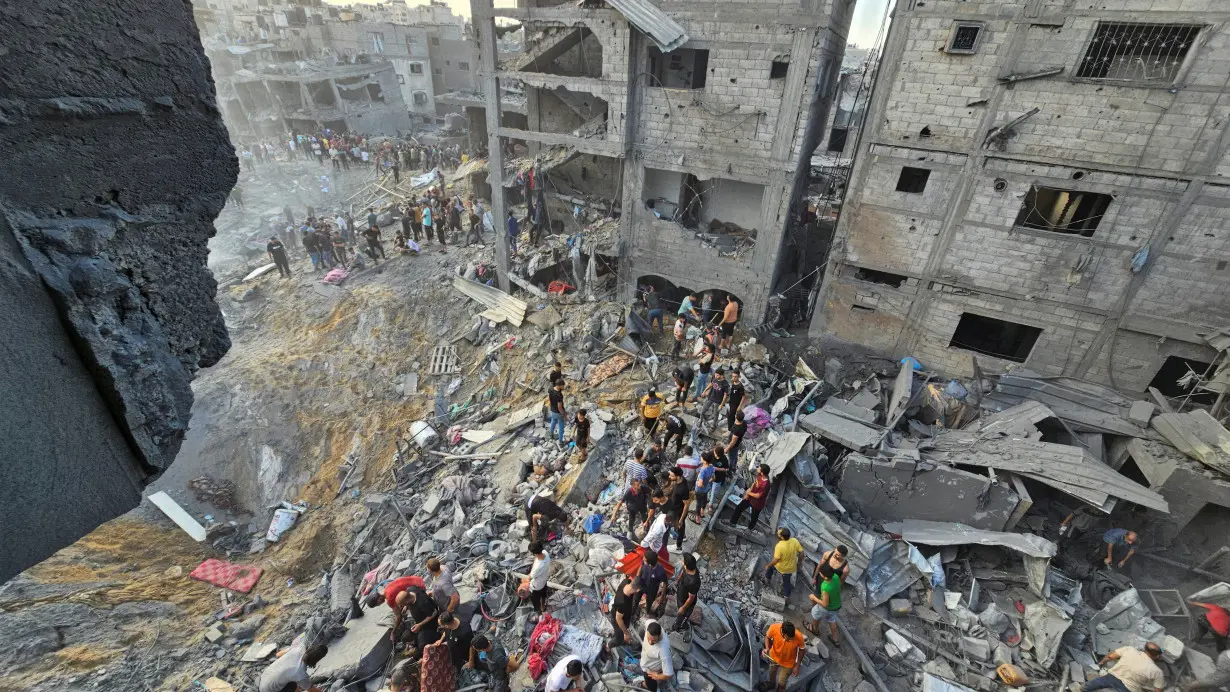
x: 698, y: 132
x: 1042, y: 187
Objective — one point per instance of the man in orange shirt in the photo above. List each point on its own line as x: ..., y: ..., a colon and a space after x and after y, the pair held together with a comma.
x: 783, y: 646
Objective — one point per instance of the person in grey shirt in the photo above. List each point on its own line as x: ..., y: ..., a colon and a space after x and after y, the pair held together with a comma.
x: 290, y: 672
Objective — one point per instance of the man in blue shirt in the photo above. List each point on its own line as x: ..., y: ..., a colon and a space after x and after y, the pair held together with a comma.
x: 513, y: 232
x: 1119, y: 538
x: 687, y: 310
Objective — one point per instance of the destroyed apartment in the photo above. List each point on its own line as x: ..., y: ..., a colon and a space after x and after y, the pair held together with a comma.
x: 616, y: 345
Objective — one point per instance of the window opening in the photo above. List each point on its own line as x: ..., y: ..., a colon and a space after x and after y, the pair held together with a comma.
x: 996, y: 338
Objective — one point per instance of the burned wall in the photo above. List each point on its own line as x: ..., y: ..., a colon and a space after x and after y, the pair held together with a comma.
x: 117, y: 162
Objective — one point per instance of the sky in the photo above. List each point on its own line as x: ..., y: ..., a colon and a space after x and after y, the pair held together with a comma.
x: 867, y: 15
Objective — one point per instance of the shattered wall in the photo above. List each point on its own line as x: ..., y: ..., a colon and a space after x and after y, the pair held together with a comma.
x: 745, y: 125
x: 117, y: 162
x: 897, y: 490
x: 1112, y: 303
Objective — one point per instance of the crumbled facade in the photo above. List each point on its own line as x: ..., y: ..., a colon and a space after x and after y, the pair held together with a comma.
x: 709, y: 141
x: 1042, y: 185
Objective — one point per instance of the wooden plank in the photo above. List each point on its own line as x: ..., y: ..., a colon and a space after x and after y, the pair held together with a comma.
x: 177, y: 514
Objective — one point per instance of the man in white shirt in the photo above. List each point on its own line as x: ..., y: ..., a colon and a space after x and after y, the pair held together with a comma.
x: 290, y: 672
x: 565, y: 675
x: 655, y: 538
x: 689, y: 463
x: 656, y: 660
x: 539, y: 572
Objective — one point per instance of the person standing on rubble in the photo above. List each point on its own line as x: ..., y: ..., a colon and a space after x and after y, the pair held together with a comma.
x: 826, y: 601
x: 653, y: 303
x: 721, y: 471
x: 539, y: 572
x: 676, y: 430
x: 406, y: 217
x: 1216, y: 620
x: 374, y: 244
x: 622, y: 608
x: 308, y: 238
x: 493, y: 660
x: 754, y: 498
x: 737, y: 432
x: 689, y: 463
x: 737, y: 398
x: 513, y: 233
x: 634, y: 469
x: 656, y: 661
x: 684, y: 374
x: 1117, y: 540
x: 636, y: 500
x: 704, y: 366
x: 687, y: 590
x: 1135, y: 671
x: 783, y: 647
x: 704, y: 484
x: 457, y: 635
x: 680, y: 333
x: 339, y: 249
x: 651, y: 410
x: 580, y: 435
x: 324, y: 241
x: 730, y: 316
x: 441, y: 585
x: 427, y: 220
x: 715, y: 395
x: 558, y: 415
x: 290, y: 671
x: 785, y: 561
x: 832, y: 562
x: 277, y: 253
x: 651, y: 578
x: 679, y: 494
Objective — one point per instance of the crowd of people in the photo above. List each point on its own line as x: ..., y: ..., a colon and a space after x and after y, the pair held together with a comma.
x: 344, y: 151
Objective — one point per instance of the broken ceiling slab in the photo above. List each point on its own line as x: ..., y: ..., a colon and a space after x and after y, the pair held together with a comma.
x: 514, y: 309
x: 851, y: 410
x: 844, y: 431
x: 1018, y: 421
x: 784, y: 450
x: 952, y: 533
x: 1198, y: 435
x: 657, y: 25
x: 1067, y: 468
x: 362, y: 650
x: 1085, y: 406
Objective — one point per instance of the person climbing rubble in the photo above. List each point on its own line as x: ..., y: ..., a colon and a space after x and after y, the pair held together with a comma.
x: 636, y: 500
x: 441, y: 585
x: 1121, y: 542
x: 1134, y: 671
x: 754, y: 498
x: 289, y: 672
x: 540, y: 571
x: 623, y: 606
x: 544, y: 516
x: 683, y: 375
x: 676, y: 429
x: 580, y: 435
x: 783, y: 648
x: 558, y: 414
x: 651, y: 411
x: 826, y: 601
x: 785, y: 561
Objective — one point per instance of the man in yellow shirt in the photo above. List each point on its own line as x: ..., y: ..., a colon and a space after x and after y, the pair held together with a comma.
x: 783, y: 646
x: 651, y: 409
x: 785, y: 560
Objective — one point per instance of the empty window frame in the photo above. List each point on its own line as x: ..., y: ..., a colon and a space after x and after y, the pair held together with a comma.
x: 837, y: 139
x: 779, y: 69
x: 416, y: 68
x: 377, y: 40
x: 1137, y: 52
x: 420, y: 98
x: 996, y: 338
x: 401, y: 79
x: 684, y: 68
x: 913, y: 179
x: 1063, y: 211
x: 876, y: 276
x: 463, y: 66
x: 435, y: 41
x: 411, y: 39
x: 965, y: 38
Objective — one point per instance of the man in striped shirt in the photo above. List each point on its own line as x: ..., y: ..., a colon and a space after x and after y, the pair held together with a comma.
x: 635, y: 468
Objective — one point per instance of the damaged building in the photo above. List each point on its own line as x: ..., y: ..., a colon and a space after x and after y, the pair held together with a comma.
x: 1041, y: 185
x: 699, y: 133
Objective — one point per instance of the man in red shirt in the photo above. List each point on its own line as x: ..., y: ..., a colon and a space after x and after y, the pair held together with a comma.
x: 1216, y: 620
x: 399, y: 585
x: 754, y: 499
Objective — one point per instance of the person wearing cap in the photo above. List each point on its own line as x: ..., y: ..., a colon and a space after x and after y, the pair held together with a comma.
x: 1134, y: 671
x: 651, y: 410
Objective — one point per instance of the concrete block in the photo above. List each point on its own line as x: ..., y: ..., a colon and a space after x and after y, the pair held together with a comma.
x: 341, y: 590
x: 1202, y: 664
x: 1141, y: 412
x: 977, y: 648
x: 213, y: 634
x: 900, y: 606
x: 1172, y: 649
x: 772, y: 601
x: 362, y: 650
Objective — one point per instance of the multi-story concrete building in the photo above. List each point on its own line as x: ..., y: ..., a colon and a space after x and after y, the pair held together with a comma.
x: 406, y: 47
x: 694, y: 117
x: 1041, y: 183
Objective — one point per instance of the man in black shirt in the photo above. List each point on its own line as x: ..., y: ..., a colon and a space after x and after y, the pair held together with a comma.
x: 680, y: 499
x: 636, y: 501
x: 683, y: 382
x: 373, y: 242
x: 626, y: 597
x: 491, y: 659
x: 540, y: 512
x: 675, y: 428
x: 651, y: 578
x: 555, y: 401
x: 457, y: 634
x: 581, y: 435
x: 721, y: 470
x: 420, y: 626
x: 737, y: 432
x: 556, y: 374
x: 687, y: 590
x: 737, y: 398
x: 715, y: 396
x: 277, y: 253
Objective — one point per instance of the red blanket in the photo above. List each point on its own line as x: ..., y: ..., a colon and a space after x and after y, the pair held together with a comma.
x: 630, y: 564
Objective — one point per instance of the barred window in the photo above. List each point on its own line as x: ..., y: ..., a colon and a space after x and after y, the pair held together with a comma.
x: 1137, y: 52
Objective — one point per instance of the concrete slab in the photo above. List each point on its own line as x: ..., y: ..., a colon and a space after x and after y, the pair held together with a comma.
x: 850, y: 410
x: 363, y: 650
x: 1141, y: 412
x: 843, y: 431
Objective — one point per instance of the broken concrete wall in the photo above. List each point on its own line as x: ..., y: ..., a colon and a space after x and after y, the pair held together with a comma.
x: 731, y: 201
x: 1150, y: 263
x: 117, y: 163
x: 1187, y: 485
x: 896, y: 490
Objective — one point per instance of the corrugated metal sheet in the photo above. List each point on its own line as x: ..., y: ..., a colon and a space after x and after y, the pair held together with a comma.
x: 1085, y: 406
x: 647, y: 17
x: 952, y: 533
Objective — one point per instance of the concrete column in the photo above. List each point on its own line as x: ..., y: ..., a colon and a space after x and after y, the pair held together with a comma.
x: 633, y: 171
x: 484, y: 29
